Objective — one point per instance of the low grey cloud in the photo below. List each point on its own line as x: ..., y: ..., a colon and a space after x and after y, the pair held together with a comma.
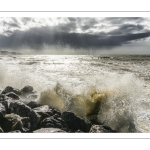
x: 121, y: 20
x: 13, y: 25
x: 127, y: 28
x: 26, y: 20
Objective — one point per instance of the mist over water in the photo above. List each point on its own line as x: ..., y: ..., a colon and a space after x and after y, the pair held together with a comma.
x: 116, y: 88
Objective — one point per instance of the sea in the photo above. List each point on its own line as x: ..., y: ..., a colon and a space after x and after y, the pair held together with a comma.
x: 120, y: 85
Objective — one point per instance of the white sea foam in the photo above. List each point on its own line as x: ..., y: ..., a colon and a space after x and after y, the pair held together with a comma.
x: 125, y: 101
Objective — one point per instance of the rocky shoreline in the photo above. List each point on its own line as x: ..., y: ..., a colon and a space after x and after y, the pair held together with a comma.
x: 19, y: 116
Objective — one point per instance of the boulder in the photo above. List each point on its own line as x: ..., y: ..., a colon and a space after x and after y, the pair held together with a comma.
x: 12, y: 95
x: 12, y: 122
x: 16, y: 131
x: 3, y: 97
x: 49, y: 130
x: 74, y: 122
x: 33, y: 104
x: 9, y: 89
x: 101, y: 129
x: 1, y: 130
x: 54, y: 111
x: 19, y: 108
x: 27, y: 90
x: 2, y: 110
x: 43, y: 111
x: 32, y: 97
x: 54, y: 122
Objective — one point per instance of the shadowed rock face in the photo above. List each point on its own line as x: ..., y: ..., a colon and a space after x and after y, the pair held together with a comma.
x: 9, y: 89
x: 43, y: 111
x: 19, y: 108
x: 33, y: 104
x: 49, y: 130
x: 12, y: 95
x: 74, y: 122
x: 27, y: 90
x: 54, y: 122
x: 12, y: 122
x: 2, y: 110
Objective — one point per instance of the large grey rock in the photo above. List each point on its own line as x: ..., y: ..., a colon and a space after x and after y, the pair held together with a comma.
x: 12, y: 95
x: 12, y: 122
x: 32, y: 97
x: 16, y: 131
x: 33, y: 104
x: 74, y: 122
x: 9, y: 89
x: 54, y: 122
x: 49, y: 130
x: 54, y: 111
x: 1, y: 130
x: 27, y: 90
x: 2, y: 110
x: 19, y: 108
x: 44, y: 108
x: 101, y: 129
x: 43, y: 111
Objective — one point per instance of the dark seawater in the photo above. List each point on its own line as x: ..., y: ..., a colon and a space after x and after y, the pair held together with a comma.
x: 118, y: 84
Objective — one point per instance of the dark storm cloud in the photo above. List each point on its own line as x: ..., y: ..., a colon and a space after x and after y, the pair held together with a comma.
x: 86, y: 33
x: 85, y: 27
x: 36, y: 37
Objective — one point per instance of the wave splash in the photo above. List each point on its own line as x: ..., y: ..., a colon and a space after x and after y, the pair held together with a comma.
x: 111, y: 104
x: 110, y: 98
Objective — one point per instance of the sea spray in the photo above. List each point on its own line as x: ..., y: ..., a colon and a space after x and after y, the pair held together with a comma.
x: 112, y: 102
x: 122, y: 92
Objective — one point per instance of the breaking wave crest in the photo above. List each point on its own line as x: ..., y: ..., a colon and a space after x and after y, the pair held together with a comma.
x: 112, y: 104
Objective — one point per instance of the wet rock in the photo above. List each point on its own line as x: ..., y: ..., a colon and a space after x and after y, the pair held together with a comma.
x: 27, y: 90
x: 2, y: 97
x: 16, y: 131
x: 12, y: 122
x: 74, y: 122
x: 9, y: 89
x: 33, y: 104
x: 101, y: 129
x: 43, y: 111
x: 79, y: 131
x: 2, y: 110
x: 53, y: 111
x: 49, y: 130
x: 54, y: 122
x: 1, y: 130
x: 12, y: 95
x: 32, y: 97
x: 44, y: 108
x: 19, y: 108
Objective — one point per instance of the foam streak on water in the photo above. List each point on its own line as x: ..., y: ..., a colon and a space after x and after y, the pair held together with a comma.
x: 124, y: 80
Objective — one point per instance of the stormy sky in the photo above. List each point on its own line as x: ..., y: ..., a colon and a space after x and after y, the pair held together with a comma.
x: 76, y: 35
